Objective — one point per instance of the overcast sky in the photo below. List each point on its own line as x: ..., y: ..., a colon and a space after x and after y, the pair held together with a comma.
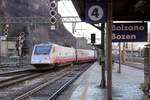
x: 66, y: 8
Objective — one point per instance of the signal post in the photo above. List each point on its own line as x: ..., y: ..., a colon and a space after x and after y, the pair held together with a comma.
x: 53, y: 13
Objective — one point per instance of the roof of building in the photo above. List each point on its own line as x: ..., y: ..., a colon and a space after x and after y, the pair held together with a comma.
x: 122, y: 10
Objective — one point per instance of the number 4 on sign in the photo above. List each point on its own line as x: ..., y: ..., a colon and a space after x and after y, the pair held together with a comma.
x: 95, y: 12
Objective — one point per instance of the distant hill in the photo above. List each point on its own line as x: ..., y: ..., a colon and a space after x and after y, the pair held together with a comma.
x: 30, y: 8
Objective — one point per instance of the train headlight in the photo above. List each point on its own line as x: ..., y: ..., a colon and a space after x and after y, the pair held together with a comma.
x: 46, y: 59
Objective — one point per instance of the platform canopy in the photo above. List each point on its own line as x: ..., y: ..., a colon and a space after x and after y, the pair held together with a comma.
x: 122, y: 10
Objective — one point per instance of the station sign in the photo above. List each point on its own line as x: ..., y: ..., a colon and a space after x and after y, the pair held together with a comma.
x: 129, y: 32
x: 95, y: 13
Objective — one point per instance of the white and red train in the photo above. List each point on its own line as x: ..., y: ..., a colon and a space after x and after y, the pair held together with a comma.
x: 49, y: 55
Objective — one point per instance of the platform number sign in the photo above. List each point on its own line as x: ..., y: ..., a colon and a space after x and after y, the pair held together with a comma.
x: 95, y: 13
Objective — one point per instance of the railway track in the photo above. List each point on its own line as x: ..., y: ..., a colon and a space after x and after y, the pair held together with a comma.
x: 17, y: 83
x: 8, y: 69
x: 13, y: 77
x: 54, y: 85
x: 17, y: 72
x: 134, y: 64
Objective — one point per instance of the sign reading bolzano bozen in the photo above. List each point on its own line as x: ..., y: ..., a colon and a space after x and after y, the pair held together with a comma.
x: 129, y: 32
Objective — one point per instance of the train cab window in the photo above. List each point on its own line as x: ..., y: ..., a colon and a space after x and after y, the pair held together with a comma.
x: 42, y: 50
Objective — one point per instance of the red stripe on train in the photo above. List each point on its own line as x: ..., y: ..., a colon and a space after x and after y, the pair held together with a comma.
x: 63, y: 60
x: 41, y: 54
x: 72, y: 59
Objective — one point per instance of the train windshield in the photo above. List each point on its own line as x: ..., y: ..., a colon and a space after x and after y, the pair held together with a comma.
x: 42, y: 50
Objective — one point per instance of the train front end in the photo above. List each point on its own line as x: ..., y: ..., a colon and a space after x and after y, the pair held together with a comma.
x: 41, y: 56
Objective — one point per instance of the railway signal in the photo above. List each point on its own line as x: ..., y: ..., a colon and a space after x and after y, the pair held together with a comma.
x: 20, y: 43
x: 93, y: 38
x: 5, y: 30
x: 53, y: 14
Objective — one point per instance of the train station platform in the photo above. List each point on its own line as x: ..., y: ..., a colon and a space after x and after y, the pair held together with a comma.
x: 125, y: 85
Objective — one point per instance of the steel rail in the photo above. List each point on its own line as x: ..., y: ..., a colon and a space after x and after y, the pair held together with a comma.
x: 64, y: 87
x: 23, y: 96
x: 56, y: 77
x: 6, y: 83
x: 15, y: 72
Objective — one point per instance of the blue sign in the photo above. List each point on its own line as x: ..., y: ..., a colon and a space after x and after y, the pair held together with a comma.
x: 129, y: 32
x: 95, y: 13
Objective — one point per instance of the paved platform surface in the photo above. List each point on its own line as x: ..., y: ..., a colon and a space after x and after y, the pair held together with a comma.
x: 125, y: 86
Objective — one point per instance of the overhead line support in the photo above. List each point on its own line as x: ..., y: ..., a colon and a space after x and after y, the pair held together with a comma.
x: 40, y: 19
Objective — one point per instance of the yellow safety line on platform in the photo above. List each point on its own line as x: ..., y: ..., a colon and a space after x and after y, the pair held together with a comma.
x: 87, y: 85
